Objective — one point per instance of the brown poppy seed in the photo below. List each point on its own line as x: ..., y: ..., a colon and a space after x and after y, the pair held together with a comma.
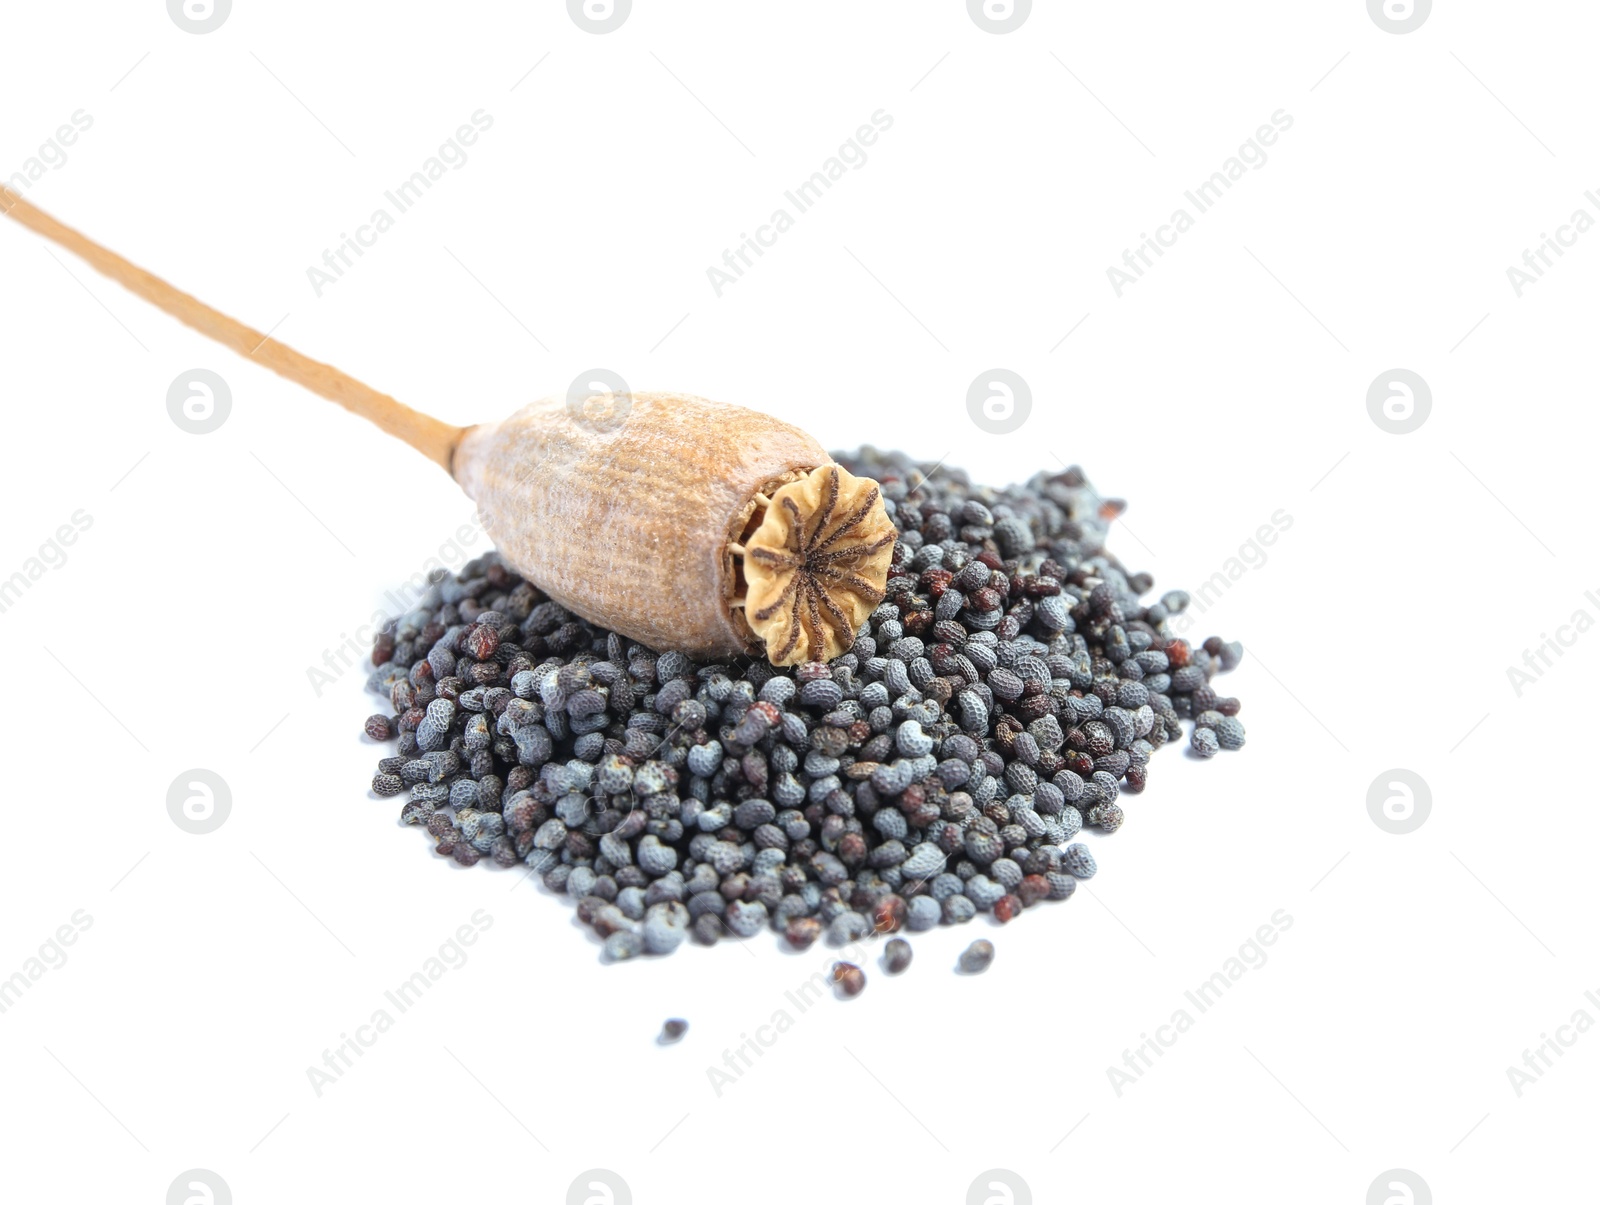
x: 849, y: 977
x: 802, y: 932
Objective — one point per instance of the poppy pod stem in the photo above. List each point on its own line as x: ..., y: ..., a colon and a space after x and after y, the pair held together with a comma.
x: 675, y: 521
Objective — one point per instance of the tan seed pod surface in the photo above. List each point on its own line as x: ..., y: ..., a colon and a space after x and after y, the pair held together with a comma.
x: 633, y: 511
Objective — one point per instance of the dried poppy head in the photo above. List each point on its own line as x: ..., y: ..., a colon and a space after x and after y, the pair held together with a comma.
x: 816, y: 566
x: 669, y: 519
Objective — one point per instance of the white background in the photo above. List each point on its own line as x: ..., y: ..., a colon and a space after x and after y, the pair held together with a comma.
x: 1228, y: 384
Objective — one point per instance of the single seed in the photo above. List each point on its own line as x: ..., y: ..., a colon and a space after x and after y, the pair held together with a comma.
x: 849, y: 977
x: 896, y: 955
x: 976, y: 957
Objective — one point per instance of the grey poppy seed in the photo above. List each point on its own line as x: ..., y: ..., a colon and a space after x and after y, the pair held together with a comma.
x: 897, y: 951
x: 976, y: 957
x: 1078, y: 862
x: 1229, y: 732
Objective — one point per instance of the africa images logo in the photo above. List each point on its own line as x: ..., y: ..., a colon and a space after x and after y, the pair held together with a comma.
x: 999, y: 1186
x: 599, y: 1186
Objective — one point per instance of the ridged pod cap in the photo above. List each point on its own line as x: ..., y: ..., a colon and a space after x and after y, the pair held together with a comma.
x: 817, y: 564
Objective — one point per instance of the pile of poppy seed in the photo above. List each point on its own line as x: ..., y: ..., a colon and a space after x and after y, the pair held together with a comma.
x: 1009, y: 690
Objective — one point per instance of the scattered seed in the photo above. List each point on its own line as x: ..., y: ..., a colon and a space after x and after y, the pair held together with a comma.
x: 849, y: 977
x: 897, y: 954
x: 976, y: 957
